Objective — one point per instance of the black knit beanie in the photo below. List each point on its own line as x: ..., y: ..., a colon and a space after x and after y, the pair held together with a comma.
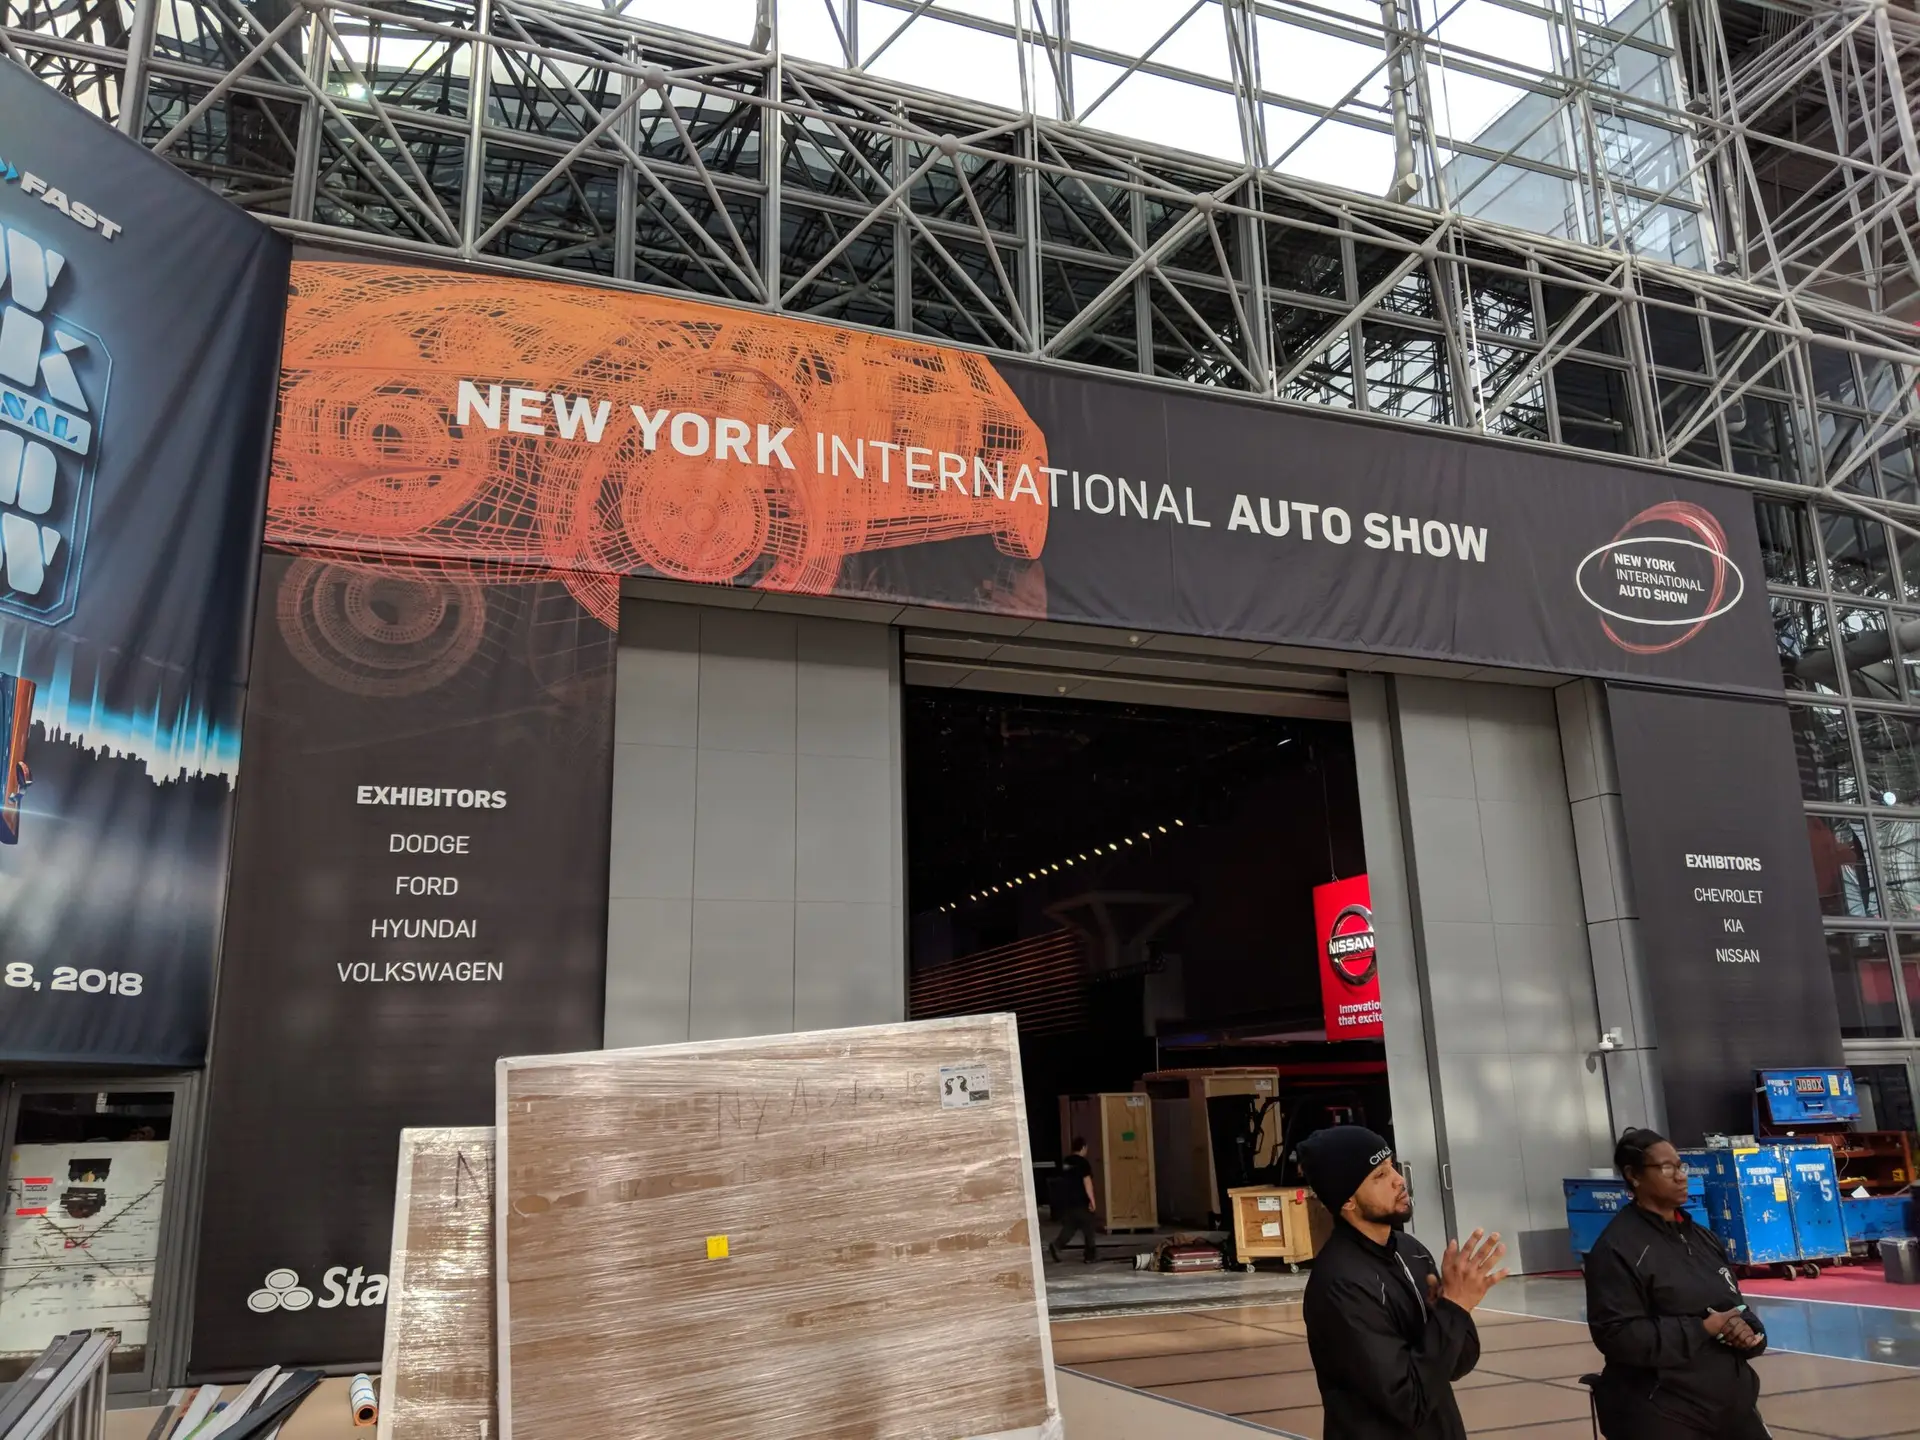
x: 1338, y: 1160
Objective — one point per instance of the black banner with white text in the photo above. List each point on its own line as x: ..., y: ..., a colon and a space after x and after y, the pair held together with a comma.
x: 420, y: 887
x: 1736, y: 966
x: 603, y: 434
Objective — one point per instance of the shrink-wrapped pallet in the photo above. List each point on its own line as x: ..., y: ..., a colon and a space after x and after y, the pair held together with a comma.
x: 437, y: 1371
x: 826, y: 1236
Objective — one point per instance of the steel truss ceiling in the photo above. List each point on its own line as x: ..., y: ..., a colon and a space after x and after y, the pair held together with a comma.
x: 539, y: 137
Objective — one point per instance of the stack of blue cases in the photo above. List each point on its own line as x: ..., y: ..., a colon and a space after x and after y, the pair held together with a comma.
x: 1773, y: 1204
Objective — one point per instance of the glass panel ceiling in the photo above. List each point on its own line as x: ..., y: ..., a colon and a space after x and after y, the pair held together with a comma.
x: 1484, y: 91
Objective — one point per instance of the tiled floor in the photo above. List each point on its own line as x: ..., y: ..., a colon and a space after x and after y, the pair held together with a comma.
x: 1251, y: 1362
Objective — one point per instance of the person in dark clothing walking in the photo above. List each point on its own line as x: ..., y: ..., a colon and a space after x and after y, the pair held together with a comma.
x: 1073, y: 1202
x: 1665, y: 1310
x: 1389, y: 1332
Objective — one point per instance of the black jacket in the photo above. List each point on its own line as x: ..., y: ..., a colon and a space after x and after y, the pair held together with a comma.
x: 1649, y: 1285
x: 1384, y: 1353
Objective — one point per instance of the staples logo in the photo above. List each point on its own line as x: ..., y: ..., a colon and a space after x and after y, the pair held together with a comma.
x: 282, y: 1290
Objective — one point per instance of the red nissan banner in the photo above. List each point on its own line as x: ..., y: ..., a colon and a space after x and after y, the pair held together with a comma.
x: 1349, y: 974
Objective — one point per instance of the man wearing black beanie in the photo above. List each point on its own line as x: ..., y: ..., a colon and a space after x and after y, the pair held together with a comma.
x: 1388, y: 1331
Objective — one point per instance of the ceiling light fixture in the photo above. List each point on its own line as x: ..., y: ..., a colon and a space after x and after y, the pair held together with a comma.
x: 1052, y: 867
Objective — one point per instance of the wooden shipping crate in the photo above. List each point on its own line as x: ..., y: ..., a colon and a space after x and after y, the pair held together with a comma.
x: 1278, y: 1223
x: 1118, y: 1129
x: 824, y: 1236
x: 1187, y: 1189
x: 436, y: 1375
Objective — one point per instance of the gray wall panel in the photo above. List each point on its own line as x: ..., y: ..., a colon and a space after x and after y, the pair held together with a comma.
x: 743, y: 829
x: 1416, y: 1122
x: 1499, y: 934
x: 841, y: 695
x: 653, y: 806
x: 846, y: 968
x: 756, y: 882
x: 845, y: 836
x: 1483, y: 1145
x: 650, y: 992
x: 1613, y: 926
x: 1469, y: 1017
x: 742, y: 968
x: 1534, y: 962
x: 1527, y: 846
x: 1450, y: 854
x: 748, y: 677
x: 657, y: 685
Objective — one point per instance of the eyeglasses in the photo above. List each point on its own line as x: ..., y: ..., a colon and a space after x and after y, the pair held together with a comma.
x: 1673, y: 1169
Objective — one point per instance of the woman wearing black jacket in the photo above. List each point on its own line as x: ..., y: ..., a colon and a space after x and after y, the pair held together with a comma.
x: 1665, y: 1311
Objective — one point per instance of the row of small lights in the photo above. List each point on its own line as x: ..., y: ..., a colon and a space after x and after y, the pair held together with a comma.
x: 1054, y: 868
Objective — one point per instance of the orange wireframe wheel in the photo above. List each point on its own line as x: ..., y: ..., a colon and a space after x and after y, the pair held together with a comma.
x: 1021, y: 543
x: 710, y: 525
x: 372, y: 631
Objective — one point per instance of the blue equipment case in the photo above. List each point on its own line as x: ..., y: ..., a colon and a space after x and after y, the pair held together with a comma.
x: 1808, y: 1097
x: 1878, y: 1217
x: 1592, y: 1204
x: 1814, y: 1188
x: 1775, y: 1204
x: 1749, y: 1200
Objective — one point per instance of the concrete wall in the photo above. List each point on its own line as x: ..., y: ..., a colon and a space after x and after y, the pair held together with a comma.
x: 1485, y: 969
x: 756, y: 882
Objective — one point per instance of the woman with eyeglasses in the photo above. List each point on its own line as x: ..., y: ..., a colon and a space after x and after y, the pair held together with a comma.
x: 1665, y: 1311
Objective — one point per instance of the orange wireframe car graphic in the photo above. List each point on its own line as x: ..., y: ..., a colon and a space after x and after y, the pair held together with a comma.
x: 519, y: 427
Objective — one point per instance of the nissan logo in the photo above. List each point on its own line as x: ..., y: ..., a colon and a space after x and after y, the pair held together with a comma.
x: 1350, y: 945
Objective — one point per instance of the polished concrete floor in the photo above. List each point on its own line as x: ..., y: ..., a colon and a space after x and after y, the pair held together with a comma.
x: 1250, y: 1364
x: 1113, y: 1285
x: 1813, y: 1327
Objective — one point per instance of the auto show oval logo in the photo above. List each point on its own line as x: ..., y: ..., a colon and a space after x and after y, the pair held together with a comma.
x: 1350, y: 950
x: 1661, y: 578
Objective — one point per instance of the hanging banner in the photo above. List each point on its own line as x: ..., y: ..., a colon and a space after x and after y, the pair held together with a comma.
x: 420, y: 887
x: 139, y: 333
x: 1349, y: 969
x: 593, y: 433
x: 1736, y: 965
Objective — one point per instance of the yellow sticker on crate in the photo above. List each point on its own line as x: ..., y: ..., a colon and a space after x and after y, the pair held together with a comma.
x: 1780, y: 1190
x: 716, y: 1247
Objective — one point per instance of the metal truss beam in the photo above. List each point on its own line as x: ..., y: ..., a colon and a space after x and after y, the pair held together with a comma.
x: 538, y: 136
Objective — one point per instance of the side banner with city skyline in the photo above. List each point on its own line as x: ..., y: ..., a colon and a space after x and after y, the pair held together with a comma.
x: 139, y: 330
